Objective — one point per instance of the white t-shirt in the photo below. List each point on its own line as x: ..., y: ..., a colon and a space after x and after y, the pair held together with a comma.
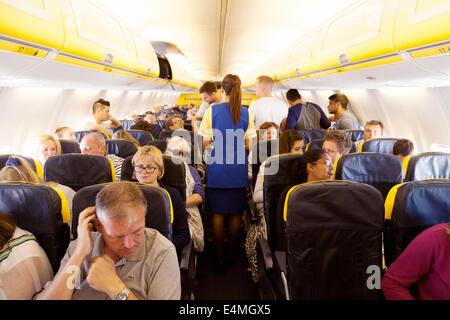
x: 201, y: 111
x: 268, y: 109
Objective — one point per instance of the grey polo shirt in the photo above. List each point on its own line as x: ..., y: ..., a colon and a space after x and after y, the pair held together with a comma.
x: 152, y: 273
x: 347, y: 121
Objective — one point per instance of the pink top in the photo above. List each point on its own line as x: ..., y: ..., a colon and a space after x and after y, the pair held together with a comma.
x: 426, y: 261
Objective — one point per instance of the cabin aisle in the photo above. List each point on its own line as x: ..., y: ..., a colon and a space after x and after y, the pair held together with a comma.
x: 234, y: 284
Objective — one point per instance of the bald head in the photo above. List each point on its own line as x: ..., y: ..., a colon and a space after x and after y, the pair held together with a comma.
x: 93, y: 144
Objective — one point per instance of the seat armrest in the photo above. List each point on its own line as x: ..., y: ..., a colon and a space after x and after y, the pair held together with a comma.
x: 266, y: 253
x: 280, y: 259
x: 186, y: 256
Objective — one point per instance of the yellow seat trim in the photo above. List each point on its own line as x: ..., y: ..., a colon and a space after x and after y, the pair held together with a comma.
x: 65, y: 211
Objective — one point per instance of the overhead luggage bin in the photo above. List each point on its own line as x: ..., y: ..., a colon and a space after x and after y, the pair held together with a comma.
x: 95, y: 35
x: 146, y: 57
x: 420, y: 23
x: 340, y: 43
x: 37, y: 22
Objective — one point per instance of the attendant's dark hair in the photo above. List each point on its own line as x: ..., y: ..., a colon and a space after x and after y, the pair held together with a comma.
x: 231, y: 84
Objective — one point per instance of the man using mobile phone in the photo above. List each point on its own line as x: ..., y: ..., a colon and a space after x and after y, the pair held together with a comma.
x: 124, y: 260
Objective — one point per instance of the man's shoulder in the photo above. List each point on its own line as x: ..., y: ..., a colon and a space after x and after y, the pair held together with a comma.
x: 156, y: 242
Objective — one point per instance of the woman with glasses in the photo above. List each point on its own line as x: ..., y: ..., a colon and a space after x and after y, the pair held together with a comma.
x: 318, y: 165
x: 148, y: 166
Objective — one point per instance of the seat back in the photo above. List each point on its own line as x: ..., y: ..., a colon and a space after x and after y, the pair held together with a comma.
x: 311, y: 135
x: 260, y: 152
x: 174, y: 173
x: 411, y: 208
x: 121, y: 148
x: 80, y: 134
x: 127, y: 124
x: 69, y: 146
x: 39, y: 209
x: 79, y: 170
x: 380, y: 145
x: 280, y: 172
x: 156, y: 130
x: 332, y: 243
x: 314, y: 144
x: 35, y: 165
x: 143, y: 137
x: 427, y: 165
x: 383, y: 171
x: 159, y: 208
x: 356, y: 135
x: 162, y: 123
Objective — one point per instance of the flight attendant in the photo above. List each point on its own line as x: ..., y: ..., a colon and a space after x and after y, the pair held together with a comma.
x: 227, y: 128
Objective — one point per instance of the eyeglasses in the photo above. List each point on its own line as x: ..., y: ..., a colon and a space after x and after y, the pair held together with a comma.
x: 140, y: 169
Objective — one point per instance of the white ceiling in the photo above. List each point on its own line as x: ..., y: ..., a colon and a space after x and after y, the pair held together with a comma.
x: 224, y: 36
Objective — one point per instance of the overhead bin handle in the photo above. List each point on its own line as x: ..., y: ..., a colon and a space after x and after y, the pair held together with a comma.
x: 109, y: 58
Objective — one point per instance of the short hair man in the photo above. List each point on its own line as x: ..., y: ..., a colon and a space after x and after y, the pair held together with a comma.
x: 403, y: 148
x: 210, y: 95
x: 150, y: 117
x: 372, y: 129
x: 337, y: 106
x: 267, y: 108
x: 124, y: 260
x: 337, y: 143
x: 155, y: 127
x: 94, y: 144
x: 304, y: 115
x: 66, y: 133
x: 103, y: 120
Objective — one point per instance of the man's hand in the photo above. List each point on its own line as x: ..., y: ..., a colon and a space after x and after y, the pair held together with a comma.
x: 102, y: 276
x: 84, y: 241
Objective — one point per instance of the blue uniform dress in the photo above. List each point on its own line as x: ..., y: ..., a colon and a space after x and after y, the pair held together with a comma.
x: 227, y: 167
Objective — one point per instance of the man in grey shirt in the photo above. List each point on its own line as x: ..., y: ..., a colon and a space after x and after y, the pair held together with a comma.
x: 124, y: 260
x: 343, y: 117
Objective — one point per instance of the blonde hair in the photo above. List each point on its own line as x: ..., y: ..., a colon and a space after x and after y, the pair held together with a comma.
x: 265, y: 82
x: 123, y: 135
x: 154, y: 154
x: 46, y: 137
x: 21, y: 173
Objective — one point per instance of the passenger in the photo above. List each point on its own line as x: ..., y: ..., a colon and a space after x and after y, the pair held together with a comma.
x: 124, y: 135
x: 267, y: 108
x: 66, y: 133
x: 291, y: 141
x: 24, y: 266
x: 210, y: 96
x: 318, y: 165
x: 124, y: 260
x: 267, y: 131
x: 103, y: 120
x: 304, y: 115
x: 337, y: 143
x: 175, y: 123
x: 226, y: 181
x: 155, y: 128
x: 192, y: 112
x: 18, y: 169
x: 157, y: 111
x: 195, y: 194
x: 49, y: 146
x: 148, y: 166
x: 94, y: 144
x: 403, y: 148
x: 372, y: 129
x: 422, y: 271
x: 343, y: 117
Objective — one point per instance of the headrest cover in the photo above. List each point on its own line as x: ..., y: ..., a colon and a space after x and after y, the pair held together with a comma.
x: 37, y: 208
x: 78, y: 170
x: 356, y: 135
x: 174, y: 174
x: 121, y: 148
x: 421, y: 203
x: 428, y: 165
x: 159, y: 208
x: 143, y: 137
x: 381, y: 145
x: 309, y: 205
x: 69, y: 146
